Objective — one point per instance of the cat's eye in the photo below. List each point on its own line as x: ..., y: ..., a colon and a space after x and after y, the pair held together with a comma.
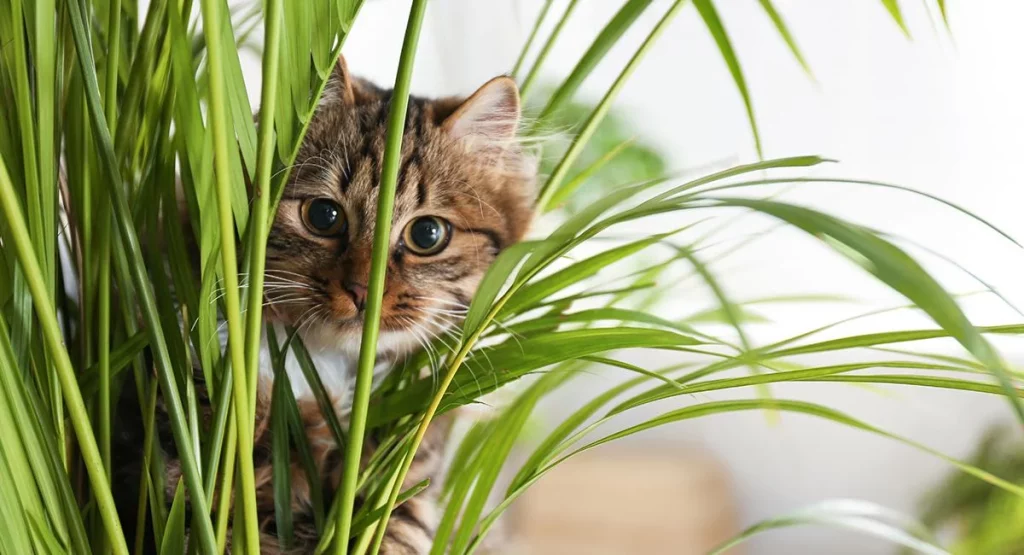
x: 427, y: 235
x: 324, y: 217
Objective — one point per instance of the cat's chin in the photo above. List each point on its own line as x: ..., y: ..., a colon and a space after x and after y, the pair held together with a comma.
x: 346, y: 340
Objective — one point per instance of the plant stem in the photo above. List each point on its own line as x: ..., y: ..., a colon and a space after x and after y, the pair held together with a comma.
x: 612, y: 32
x: 531, y: 77
x: 144, y: 288
x: 597, y: 116
x: 236, y: 341
x: 61, y: 361
x: 226, y: 485
x: 378, y: 269
x: 533, y: 35
x: 103, y: 239
x: 260, y: 220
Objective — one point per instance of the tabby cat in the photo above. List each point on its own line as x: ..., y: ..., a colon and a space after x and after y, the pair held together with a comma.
x: 464, y: 193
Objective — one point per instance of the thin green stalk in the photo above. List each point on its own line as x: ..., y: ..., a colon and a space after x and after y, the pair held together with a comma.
x: 103, y: 239
x: 363, y: 541
x: 260, y: 220
x: 612, y: 32
x: 421, y: 431
x: 144, y: 482
x: 47, y: 110
x: 218, y: 115
x: 531, y: 77
x: 533, y: 35
x: 54, y: 340
x: 597, y: 116
x: 146, y: 297
x: 227, y: 484
x: 375, y: 287
x: 45, y: 62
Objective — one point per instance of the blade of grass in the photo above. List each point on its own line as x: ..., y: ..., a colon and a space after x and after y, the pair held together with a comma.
x: 298, y: 430
x: 565, y: 192
x: 611, y: 33
x: 714, y: 25
x: 323, y: 399
x: 531, y: 76
x: 856, y: 515
x: 900, y: 272
x: 260, y: 220
x: 281, y: 461
x: 54, y: 340
x: 553, y: 183
x: 494, y: 454
x: 218, y: 114
x: 721, y: 407
x: 103, y: 285
x: 146, y: 297
x: 375, y: 288
x: 43, y: 457
x: 780, y: 26
x: 529, y: 41
x: 893, y: 7
x: 44, y: 60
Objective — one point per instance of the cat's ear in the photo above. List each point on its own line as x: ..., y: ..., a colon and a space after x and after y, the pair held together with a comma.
x: 342, y: 89
x: 489, y: 117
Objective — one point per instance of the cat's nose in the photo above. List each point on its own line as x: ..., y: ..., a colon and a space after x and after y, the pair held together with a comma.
x: 358, y: 293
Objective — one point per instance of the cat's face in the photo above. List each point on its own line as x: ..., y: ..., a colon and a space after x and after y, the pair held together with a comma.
x: 464, y: 193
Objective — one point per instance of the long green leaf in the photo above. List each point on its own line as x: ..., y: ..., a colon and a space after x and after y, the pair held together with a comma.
x: 783, y: 29
x: 607, y: 38
x: 147, y: 301
x: 714, y: 25
x: 61, y: 361
x: 554, y: 182
x: 859, y: 516
x: 222, y: 131
x: 897, y: 270
x: 375, y: 288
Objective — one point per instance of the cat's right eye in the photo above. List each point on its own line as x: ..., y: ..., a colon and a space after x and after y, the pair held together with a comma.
x: 324, y: 217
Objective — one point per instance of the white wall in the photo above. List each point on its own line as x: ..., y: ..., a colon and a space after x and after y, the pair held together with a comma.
x: 942, y: 116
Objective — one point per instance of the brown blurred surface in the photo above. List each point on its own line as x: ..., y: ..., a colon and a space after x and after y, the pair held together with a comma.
x: 628, y: 501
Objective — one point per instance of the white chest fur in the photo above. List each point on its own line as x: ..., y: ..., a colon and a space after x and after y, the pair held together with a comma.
x: 334, y: 364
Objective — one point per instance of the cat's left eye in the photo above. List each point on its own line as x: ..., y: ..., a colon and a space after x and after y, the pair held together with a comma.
x: 427, y: 235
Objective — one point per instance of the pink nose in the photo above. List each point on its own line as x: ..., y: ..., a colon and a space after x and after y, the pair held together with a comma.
x: 358, y: 293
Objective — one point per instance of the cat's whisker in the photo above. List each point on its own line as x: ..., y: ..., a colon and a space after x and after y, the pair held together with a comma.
x: 453, y: 317
x: 438, y: 366
x: 285, y: 272
x: 282, y: 276
x: 449, y: 308
x: 287, y: 288
x: 451, y: 302
x: 272, y: 278
x: 439, y: 320
x: 435, y: 369
x: 436, y: 335
x: 307, y: 323
x: 280, y: 302
x: 423, y: 341
x: 458, y: 341
x: 448, y: 322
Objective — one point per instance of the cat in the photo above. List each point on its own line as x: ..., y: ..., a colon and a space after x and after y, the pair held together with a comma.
x: 464, y: 193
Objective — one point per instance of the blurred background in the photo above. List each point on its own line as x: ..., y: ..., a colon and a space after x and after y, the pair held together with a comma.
x: 938, y: 111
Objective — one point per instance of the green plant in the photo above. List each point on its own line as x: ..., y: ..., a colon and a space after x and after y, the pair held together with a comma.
x: 132, y: 109
x: 983, y: 517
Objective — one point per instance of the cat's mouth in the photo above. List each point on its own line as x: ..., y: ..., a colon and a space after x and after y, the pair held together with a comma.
x: 398, y: 335
x: 409, y: 320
